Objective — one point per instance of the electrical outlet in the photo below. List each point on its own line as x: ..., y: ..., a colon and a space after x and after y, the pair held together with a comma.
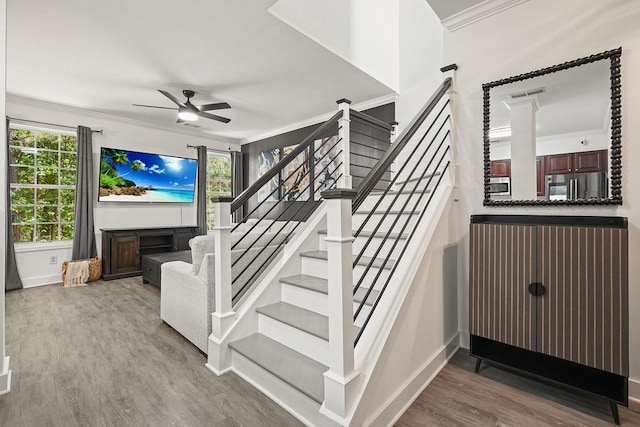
x: 53, y: 259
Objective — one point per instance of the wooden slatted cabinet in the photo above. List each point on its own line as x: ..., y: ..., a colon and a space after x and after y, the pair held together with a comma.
x: 549, y: 295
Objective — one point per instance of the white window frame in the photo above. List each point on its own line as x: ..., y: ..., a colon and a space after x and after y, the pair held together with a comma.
x: 59, y: 242
x: 220, y: 154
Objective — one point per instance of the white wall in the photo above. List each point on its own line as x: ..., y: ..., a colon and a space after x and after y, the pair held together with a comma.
x: 421, y: 57
x: 362, y: 32
x: 425, y: 333
x: 533, y: 35
x: 33, y: 259
x: 557, y: 144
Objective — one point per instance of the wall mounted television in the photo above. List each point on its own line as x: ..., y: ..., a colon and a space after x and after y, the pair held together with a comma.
x: 133, y: 176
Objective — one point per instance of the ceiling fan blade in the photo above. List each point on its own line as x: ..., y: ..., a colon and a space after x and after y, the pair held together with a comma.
x: 216, y: 106
x: 171, y: 97
x: 154, y: 106
x: 214, y: 117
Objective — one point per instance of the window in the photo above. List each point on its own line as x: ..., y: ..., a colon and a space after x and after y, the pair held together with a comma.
x: 42, y: 173
x: 218, y: 181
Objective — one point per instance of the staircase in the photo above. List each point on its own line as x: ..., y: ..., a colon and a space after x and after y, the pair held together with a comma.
x: 284, y: 336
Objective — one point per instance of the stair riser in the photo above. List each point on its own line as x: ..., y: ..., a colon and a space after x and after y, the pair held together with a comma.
x: 359, y: 218
x: 315, y: 301
x: 311, y: 346
x: 388, y: 200
x: 359, y: 243
x: 318, y: 268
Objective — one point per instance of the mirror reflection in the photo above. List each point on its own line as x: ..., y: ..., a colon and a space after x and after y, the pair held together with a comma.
x: 550, y: 136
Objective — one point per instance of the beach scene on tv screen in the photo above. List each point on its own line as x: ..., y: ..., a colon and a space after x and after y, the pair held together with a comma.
x: 131, y: 176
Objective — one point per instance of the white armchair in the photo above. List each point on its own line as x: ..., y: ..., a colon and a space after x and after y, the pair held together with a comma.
x: 187, y: 290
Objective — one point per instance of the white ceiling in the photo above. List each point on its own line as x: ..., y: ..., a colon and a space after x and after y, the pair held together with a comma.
x: 106, y: 55
x: 575, y: 100
x: 447, y: 8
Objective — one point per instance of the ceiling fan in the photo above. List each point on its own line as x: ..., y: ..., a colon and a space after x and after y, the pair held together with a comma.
x: 187, y: 112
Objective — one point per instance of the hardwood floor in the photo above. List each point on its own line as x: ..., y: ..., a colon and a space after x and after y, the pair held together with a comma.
x: 100, y: 356
x: 497, y: 397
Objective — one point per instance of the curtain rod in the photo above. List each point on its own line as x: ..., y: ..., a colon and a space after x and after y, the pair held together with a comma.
x: 210, y: 149
x: 100, y: 131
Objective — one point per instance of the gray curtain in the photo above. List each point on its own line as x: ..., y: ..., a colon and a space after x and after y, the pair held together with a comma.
x: 202, y: 190
x: 84, y: 237
x: 236, y: 182
x: 11, y: 277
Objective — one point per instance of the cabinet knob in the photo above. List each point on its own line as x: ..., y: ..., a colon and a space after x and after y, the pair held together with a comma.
x: 537, y: 289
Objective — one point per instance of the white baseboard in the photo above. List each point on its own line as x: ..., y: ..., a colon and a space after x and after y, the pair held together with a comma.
x: 5, y: 377
x: 398, y: 404
x: 32, y: 282
x: 634, y: 388
x: 215, y: 371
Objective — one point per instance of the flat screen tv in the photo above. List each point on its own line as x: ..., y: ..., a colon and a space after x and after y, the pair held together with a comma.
x: 132, y: 176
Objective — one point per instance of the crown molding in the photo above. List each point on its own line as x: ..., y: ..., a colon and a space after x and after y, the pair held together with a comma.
x: 376, y: 102
x: 12, y: 98
x: 478, y: 13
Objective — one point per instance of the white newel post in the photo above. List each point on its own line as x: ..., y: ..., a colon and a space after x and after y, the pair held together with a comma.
x: 344, y: 134
x: 340, y: 379
x: 394, y: 132
x: 223, y: 316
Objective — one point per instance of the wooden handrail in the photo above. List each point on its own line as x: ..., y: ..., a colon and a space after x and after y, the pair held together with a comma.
x: 243, y: 197
x: 385, y: 162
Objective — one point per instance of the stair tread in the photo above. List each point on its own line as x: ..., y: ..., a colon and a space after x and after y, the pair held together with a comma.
x: 379, y: 234
x: 377, y: 193
x: 321, y: 285
x: 427, y: 176
x: 363, y: 260
x: 305, y: 320
x: 380, y: 212
x: 308, y: 282
x: 299, y: 371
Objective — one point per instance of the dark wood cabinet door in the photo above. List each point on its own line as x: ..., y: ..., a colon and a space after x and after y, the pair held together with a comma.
x: 582, y: 317
x: 590, y: 161
x: 125, y: 254
x: 501, y: 168
x: 559, y: 164
x: 181, y: 239
x: 540, y: 190
x: 502, y: 265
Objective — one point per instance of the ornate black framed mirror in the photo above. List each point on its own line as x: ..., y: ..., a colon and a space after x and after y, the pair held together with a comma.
x: 553, y: 136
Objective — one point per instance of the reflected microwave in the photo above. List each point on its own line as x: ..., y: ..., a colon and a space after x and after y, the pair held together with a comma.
x: 500, y: 186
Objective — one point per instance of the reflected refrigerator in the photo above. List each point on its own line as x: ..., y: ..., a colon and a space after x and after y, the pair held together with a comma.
x: 590, y: 185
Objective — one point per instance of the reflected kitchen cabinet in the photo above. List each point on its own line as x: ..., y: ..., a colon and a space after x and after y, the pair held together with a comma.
x: 501, y: 168
x: 559, y: 163
x: 587, y: 161
x: 590, y: 161
x: 540, y: 176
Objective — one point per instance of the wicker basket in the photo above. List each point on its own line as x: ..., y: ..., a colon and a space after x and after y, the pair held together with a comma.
x: 95, y: 268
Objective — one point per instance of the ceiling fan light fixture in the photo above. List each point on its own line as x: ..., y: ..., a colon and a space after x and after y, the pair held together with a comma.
x: 187, y: 115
